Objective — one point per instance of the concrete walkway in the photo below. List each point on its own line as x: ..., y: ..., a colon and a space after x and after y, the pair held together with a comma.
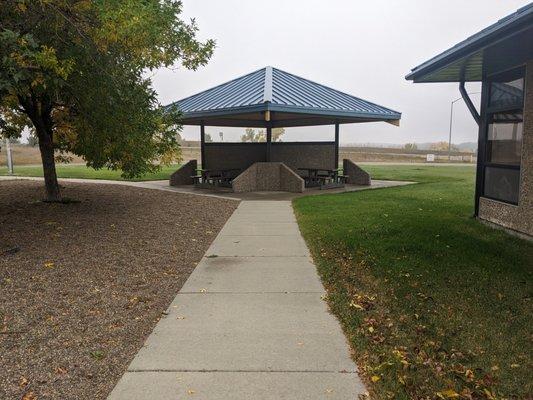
x: 250, y: 323
x: 190, y: 189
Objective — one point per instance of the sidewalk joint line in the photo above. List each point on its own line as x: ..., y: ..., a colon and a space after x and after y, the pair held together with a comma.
x: 244, y: 370
x: 278, y: 292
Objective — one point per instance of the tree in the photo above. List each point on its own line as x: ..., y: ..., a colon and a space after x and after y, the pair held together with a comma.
x: 74, y: 72
x: 251, y: 135
x: 442, y: 146
x: 410, y: 146
x: 208, y: 138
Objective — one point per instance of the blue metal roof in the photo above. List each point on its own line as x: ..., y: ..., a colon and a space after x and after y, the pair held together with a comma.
x: 289, y: 100
x: 465, y: 59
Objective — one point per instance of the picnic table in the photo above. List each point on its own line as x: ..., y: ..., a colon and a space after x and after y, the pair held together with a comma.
x: 215, y: 177
x: 323, y: 178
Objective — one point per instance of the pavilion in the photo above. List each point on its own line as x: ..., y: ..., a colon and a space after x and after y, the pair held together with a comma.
x: 271, y: 98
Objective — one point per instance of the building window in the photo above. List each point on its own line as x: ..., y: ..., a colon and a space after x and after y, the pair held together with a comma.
x: 504, y: 136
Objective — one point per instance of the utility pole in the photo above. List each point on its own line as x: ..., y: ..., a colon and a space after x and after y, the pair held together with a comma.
x: 9, y: 157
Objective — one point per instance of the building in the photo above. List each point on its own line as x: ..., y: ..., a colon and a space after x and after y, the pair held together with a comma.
x: 501, y: 58
x: 270, y: 98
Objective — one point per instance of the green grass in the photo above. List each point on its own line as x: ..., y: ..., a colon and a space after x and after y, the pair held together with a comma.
x: 81, y: 171
x: 434, y: 303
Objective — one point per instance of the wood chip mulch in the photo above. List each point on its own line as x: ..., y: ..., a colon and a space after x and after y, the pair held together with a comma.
x: 83, y: 284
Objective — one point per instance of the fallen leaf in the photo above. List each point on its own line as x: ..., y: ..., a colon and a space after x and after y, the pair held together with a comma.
x: 448, y: 394
x: 375, y: 378
x: 489, y: 394
x: 61, y: 371
x: 97, y: 354
x: 23, y: 382
x: 49, y: 264
x: 469, y: 375
x: 190, y: 391
x: 29, y: 396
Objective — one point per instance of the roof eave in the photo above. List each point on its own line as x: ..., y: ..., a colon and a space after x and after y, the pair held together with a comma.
x: 263, y: 107
x: 225, y: 111
x: 335, y: 113
x: 465, y: 50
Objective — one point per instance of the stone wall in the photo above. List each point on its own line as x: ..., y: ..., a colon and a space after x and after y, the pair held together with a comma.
x: 305, y: 155
x: 272, y: 176
x: 293, y: 154
x: 519, y: 217
x: 356, y: 175
x: 233, y: 155
x: 183, y: 175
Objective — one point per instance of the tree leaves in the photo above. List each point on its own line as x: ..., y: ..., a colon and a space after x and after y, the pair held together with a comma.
x: 76, y: 69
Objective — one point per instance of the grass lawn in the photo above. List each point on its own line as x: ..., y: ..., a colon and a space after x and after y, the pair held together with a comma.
x: 82, y: 171
x: 434, y: 303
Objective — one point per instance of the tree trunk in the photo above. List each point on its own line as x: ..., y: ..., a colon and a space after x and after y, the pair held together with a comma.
x: 46, y: 147
x: 39, y: 110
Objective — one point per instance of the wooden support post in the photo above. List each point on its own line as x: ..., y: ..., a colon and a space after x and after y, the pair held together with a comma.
x: 202, y: 146
x: 268, y: 143
x: 336, y: 164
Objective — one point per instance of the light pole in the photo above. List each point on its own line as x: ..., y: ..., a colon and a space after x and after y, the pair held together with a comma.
x: 451, y: 124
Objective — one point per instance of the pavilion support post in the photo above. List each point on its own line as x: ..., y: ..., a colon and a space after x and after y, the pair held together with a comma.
x: 202, y: 145
x: 269, y: 143
x: 336, y: 163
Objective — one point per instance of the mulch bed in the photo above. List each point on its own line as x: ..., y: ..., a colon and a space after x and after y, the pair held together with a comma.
x: 83, y: 284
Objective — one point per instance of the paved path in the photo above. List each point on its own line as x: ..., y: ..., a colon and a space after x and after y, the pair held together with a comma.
x: 190, y: 189
x: 249, y: 323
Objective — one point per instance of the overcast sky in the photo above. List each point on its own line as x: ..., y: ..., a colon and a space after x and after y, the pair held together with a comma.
x: 364, y: 48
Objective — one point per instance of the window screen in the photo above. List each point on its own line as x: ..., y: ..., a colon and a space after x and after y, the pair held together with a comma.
x: 504, y: 136
x: 504, y: 139
x: 502, y: 184
x: 507, y: 94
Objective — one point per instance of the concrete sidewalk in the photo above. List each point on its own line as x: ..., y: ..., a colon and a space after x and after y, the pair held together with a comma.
x: 222, y: 194
x: 249, y: 323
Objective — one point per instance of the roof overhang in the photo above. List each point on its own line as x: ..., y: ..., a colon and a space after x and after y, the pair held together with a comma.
x: 264, y: 115
x: 508, y: 41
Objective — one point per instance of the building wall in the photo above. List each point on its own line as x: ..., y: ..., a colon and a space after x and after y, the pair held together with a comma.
x: 519, y: 217
x: 295, y: 155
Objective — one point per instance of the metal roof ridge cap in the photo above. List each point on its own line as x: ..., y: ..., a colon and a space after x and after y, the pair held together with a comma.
x: 267, y: 89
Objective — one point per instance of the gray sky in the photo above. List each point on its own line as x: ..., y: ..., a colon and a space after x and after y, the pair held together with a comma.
x: 364, y: 48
